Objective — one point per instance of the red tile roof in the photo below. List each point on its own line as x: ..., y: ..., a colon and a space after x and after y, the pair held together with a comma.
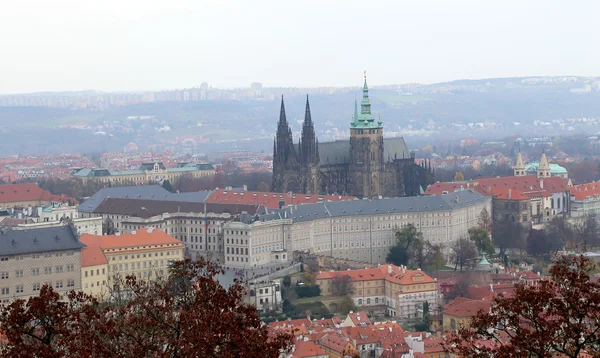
x: 388, y: 272
x: 359, y: 318
x: 528, y: 185
x: 487, y: 293
x: 465, y: 307
x: 142, y: 237
x: 307, y: 349
x: 92, y: 254
x: 587, y: 191
x: 11, y: 193
x: 269, y: 199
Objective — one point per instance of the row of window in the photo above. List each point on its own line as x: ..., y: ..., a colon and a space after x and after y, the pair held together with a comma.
x: 166, y: 253
x: 5, y: 291
x: 237, y: 259
x: 47, y: 270
x: 37, y: 256
x: 237, y: 251
x: 140, y: 265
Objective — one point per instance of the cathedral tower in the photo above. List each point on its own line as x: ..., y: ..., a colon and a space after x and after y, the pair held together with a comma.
x: 366, y: 150
x: 309, y: 154
x: 284, y: 154
x: 543, y: 170
x: 519, y: 168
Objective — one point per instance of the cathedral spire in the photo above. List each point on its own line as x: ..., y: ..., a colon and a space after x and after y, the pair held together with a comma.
x: 282, y: 119
x: 308, y: 139
x: 307, y: 116
x: 365, y: 104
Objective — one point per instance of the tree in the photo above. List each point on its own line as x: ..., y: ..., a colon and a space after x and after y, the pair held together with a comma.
x: 459, y: 176
x: 188, y: 314
x: 560, y: 229
x: 108, y: 227
x: 586, y: 231
x: 167, y: 186
x: 557, y: 317
x: 287, y: 281
x: 341, y: 285
x: 481, y: 238
x: 438, y: 260
x: 346, y: 305
x: 485, y: 220
x: 426, y: 310
x: 410, y: 247
x: 464, y: 254
x: 507, y: 235
x: 309, y: 277
x: 540, y: 242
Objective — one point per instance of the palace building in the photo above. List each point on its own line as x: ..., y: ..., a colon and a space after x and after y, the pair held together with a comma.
x: 366, y: 166
x: 148, y: 173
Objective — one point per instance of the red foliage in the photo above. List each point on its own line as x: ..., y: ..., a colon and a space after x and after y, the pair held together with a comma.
x: 188, y: 314
x: 558, y: 317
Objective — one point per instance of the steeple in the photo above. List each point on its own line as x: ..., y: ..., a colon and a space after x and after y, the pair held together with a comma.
x: 284, y: 146
x: 543, y: 170
x: 365, y: 119
x: 519, y: 168
x: 282, y: 119
x: 308, y: 141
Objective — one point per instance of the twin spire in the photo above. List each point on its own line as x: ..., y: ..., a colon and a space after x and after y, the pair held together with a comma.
x: 306, y: 151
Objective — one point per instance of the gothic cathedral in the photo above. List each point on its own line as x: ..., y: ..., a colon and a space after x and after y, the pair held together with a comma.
x: 366, y: 166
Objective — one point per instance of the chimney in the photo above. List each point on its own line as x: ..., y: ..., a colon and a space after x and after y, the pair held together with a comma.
x: 491, y: 287
x: 133, y: 232
x: 542, y: 183
x: 389, y: 269
x: 245, y: 187
x: 509, y: 193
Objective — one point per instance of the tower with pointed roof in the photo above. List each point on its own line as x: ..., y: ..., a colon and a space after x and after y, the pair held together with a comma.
x: 367, y: 165
x: 519, y: 168
x: 366, y: 150
x: 543, y: 170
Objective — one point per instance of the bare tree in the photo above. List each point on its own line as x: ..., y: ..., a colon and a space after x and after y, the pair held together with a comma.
x: 341, y: 285
x: 108, y: 228
x: 464, y: 254
x: 586, y: 231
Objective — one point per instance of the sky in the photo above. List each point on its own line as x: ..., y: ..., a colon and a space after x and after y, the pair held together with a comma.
x: 118, y: 45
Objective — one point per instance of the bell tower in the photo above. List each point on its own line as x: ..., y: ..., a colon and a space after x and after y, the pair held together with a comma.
x: 366, y: 150
x: 519, y: 168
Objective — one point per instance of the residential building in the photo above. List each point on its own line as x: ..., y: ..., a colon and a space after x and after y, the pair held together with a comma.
x: 356, y: 319
x: 145, y: 253
x: 397, y: 291
x: 148, y: 173
x: 265, y: 295
x: 361, y: 230
x: 270, y: 200
x: 336, y: 344
x: 13, y: 196
x: 32, y: 258
x: 91, y: 226
x: 305, y: 349
x: 94, y: 269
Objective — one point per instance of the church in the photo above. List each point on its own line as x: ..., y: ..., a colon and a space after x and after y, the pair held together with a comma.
x: 366, y: 166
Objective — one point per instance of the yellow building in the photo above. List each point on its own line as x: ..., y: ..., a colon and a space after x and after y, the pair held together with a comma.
x: 458, y: 312
x: 401, y: 292
x: 148, y: 173
x: 145, y: 253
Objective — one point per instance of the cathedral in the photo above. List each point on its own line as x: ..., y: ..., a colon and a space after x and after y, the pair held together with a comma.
x: 366, y: 166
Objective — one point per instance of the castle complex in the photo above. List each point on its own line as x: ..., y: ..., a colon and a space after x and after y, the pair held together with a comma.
x: 366, y: 166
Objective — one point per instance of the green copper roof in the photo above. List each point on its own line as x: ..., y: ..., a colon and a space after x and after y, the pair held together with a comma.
x: 484, y: 261
x: 554, y: 168
x: 365, y: 119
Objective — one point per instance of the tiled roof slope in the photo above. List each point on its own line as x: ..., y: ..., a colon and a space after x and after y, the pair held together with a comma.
x: 10, y: 193
x: 269, y: 199
x: 18, y: 242
x: 142, y: 237
x: 148, y: 208
x: 528, y: 185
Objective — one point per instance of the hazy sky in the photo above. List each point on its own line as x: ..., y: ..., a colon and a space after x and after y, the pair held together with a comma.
x: 143, y: 44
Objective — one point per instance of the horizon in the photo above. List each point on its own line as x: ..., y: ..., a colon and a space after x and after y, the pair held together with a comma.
x: 290, y: 87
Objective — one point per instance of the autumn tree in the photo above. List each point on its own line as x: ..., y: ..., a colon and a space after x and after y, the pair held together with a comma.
x: 508, y: 235
x: 167, y: 186
x: 484, y: 220
x: 481, y: 238
x: 464, y: 254
x: 560, y: 229
x: 540, y: 242
x: 559, y: 316
x: 411, y: 248
x: 187, y: 314
x: 459, y: 176
x: 341, y: 285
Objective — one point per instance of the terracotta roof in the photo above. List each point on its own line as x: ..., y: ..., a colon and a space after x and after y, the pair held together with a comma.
x: 485, y: 292
x: 307, y: 349
x: 10, y: 193
x: 295, y: 323
x: 359, y: 318
x: 335, y: 341
x: 465, y: 307
x: 528, y: 185
x: 141, y: 237
x: 388, y: 272
x: 92, y: 254
x: 268, y: 199
x: 587, y: 191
